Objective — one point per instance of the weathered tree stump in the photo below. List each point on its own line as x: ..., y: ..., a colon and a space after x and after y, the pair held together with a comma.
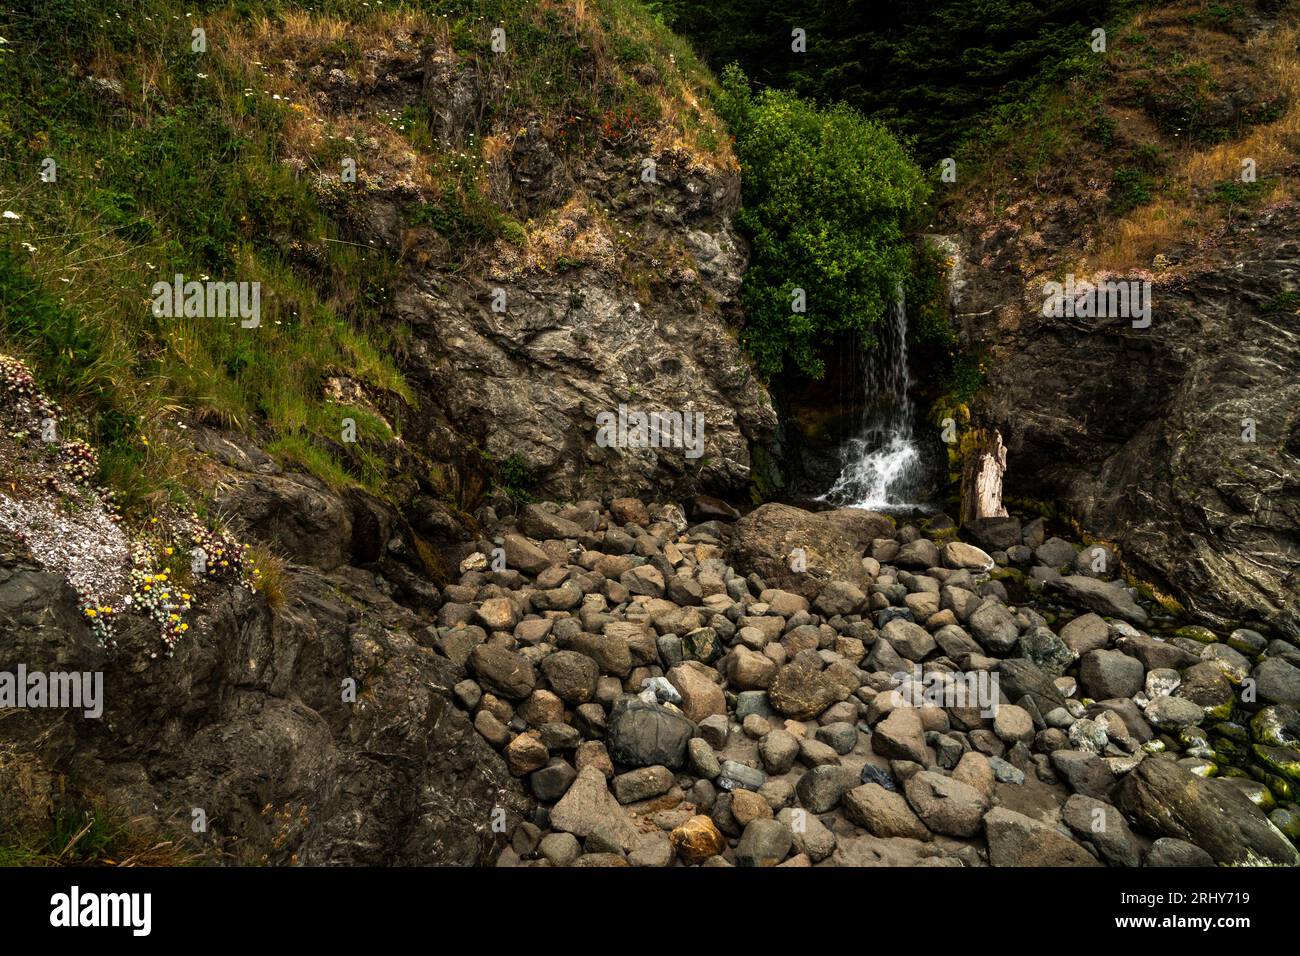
x: 981, y: 479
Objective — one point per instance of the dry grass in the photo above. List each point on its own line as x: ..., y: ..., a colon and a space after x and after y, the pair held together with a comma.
x: 1138, y: 238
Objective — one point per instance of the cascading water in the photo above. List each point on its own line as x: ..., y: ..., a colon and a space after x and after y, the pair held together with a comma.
x: 882, y: 466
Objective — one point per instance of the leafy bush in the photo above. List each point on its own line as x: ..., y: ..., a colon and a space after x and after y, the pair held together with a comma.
x: 827, y: 198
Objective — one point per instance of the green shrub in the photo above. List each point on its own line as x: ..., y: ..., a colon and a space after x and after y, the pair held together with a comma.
x: 827, y: 199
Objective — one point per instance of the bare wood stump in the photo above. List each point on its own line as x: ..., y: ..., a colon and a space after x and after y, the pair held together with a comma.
x: 981, y: 479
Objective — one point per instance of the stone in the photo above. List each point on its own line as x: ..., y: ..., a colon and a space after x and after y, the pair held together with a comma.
x: 653, y: 850
x: 800, y: 691
x: 882, y: 813
x: 715, y: 730
x: 702, y: 758
x: 559, y: 849
x: 840, y: 736
x: 698, y: 839
x: 498, y: 614
x: 1087, y: 632
x: 502, y: 671
x: 701, y: 697
x: 811, y: 837
x: 1278, y: 682
x: 764, y: 843
x: 1105, y: 674
x: 526, y: 753
x: 525, y: 555
x: 1165, y: 799
x: 995, y: 628
x: 552, y: 782
x: 1084, y: 772
x: 946, y: 805
x: 912, y: 641
x: 1017, y: 840
x: 921, y: 553
x: 1046, y: 650
x: 814, y: 753
x: 839, y: 597
x: 1013, y: 724
x: 1104, y: 827
x: 571, y: 675
x: 1169, y: 851
x: 747, y: 806
x: 702, y: 644
x: 588, y: 805
x: 643, y: 734
x: 1173, y: 713
x: 820, y: 789
x: 642, y: 784
x: 784, y: 603
x: 749, y: 670
x: 958, y: 554
x: 778, y: 751
x: 831, y: 542
x: 1107, y: 599
x: 900, y: 736
x: 1055, y: 553
x: 738, y: 776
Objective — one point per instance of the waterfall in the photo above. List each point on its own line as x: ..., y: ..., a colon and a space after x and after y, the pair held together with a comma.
x: 882, y: 468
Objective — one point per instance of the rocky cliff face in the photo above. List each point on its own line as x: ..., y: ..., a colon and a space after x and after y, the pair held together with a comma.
x: 1145, y: 434
x: 617, y: 293
x: 1179, y: 442
x: 251, y: 722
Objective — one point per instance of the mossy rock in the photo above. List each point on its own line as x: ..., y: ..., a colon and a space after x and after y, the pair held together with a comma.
x: 1194, y: 632
x: 1287, y: 819
x: 1277, y: 726
x: 1281, y: 787
x: 1282, y: 760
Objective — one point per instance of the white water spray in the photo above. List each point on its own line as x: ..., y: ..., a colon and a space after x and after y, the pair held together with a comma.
x: 882, y: 467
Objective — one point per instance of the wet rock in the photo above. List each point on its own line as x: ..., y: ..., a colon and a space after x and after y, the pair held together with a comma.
x: 1278, y: 682
x: 642, y: 734
x: 1166, y: 800
x: 1106, y: 599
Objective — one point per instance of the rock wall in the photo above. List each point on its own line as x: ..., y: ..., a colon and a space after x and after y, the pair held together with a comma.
x: 622, y: 293
x: 1139, y: 431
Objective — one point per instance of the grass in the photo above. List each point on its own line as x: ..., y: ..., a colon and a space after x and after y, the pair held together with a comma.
x: 80, y: 837
x: 224, y: 164
x: 1166, y: 116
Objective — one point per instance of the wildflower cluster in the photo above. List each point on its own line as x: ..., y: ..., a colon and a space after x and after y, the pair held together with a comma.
x: 218, y: 557
x: 79, y: 461
x: 158, y: 593
x: 100, y: 619
x: 18, y: 386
